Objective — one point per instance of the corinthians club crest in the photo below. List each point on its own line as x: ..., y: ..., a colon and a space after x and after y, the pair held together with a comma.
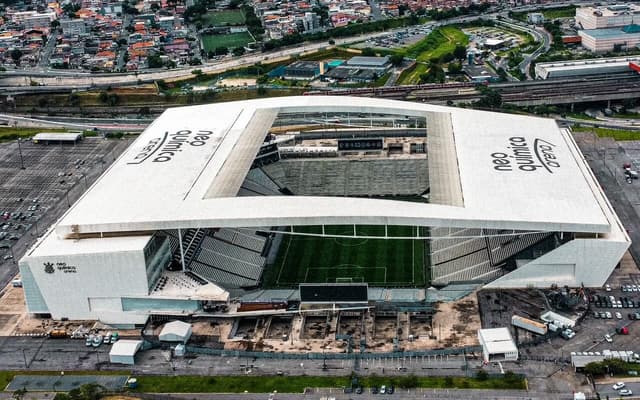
x: 48, y: 268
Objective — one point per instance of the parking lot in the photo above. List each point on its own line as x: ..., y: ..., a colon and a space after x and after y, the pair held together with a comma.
x: 591, y: 331
x: 397, y: 40
x: 38, y: 182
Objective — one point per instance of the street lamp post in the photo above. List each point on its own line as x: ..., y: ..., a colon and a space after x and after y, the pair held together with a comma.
x: 20, y: 152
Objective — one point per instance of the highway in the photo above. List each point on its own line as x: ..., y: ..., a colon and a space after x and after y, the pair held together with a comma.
x: 540, y: 35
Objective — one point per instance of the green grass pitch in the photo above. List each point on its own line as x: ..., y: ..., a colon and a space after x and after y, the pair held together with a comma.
x: 378, y: 262
x: 225, y: 17
x: 231, y: 40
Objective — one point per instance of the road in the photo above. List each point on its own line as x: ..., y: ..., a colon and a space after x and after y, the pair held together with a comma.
x: 606, y: 391
x: 38, y: 354
x: 539, y: 34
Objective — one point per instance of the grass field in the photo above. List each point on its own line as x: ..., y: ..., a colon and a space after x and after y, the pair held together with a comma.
x: 210, y: 42
x: 283, y: 384
x: 617, y: 134
x: 411, y: 76
x: 225, y: 17
x: 379, y: 262
x: 438, y: 43
x: 297, y: 384
x: 564, y: 12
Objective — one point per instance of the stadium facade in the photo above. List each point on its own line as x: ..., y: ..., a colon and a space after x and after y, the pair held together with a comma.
x: 191, y: 214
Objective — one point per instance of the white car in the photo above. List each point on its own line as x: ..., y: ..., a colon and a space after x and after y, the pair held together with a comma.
x: 618, y: 385
x: 383, y: 389
x: 625, y: 392
x: 618, y: 315
x: 608, y: 338
x: 607, y: 287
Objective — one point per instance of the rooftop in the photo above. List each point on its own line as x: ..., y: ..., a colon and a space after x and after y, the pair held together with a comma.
x: 498, y: 340
x: 186, y: 168
x: 368, y: 61
x: 610, y: 33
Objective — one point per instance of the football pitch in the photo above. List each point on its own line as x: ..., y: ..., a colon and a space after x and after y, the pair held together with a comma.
x: 231, y: 40
x: 378, y: 262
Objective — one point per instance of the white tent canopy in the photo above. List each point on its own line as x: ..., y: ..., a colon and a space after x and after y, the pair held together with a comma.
x: 124, y: 351
x: 176, y: 331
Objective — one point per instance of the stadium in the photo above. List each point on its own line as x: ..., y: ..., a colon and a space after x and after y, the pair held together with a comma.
x: 289, y: 204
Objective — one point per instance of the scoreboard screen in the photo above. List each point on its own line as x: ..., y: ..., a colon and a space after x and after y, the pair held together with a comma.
x: 360, y: 144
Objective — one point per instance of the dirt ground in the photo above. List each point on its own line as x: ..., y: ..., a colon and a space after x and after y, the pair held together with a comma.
x: 454, y: 325
x: 237, y: 82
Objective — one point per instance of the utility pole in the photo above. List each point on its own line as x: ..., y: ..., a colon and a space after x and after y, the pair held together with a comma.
x: 20, y: 152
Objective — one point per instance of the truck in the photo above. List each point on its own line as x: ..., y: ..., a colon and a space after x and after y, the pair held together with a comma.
x: 529, y: 325
x: 58, y: 334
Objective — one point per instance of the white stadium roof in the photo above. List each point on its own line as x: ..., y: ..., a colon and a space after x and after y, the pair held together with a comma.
x: 512, y: 172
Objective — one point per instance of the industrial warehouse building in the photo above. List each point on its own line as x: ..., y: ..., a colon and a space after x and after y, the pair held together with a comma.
x: 610, y: 39
x: 497, y: 345
x: 202, y: 209
x: 611, y: 16
x: 594, y: 66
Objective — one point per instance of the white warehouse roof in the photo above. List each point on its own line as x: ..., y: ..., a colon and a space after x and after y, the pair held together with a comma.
x: 123, y: 351
x: 497, y: 340
x: 176, y: 331
x: 513, y: 172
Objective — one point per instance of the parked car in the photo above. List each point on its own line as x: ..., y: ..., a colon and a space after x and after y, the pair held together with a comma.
x: 618, y: 315
x: 608, y: 338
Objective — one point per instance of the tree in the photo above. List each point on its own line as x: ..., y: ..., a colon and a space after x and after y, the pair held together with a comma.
x: 368, y: 52
x: 491, y: 98
x: 154, y: 7
x: 396, y: 60
x: 74, y: 100
x: 435, y: 74
x: 16, y: 54
x: 19, y: 394
x: 103, y: 97
x: 197, y: 72
x: 91, y: 391
x: 154, y: 61
x: 55, y: 24
x: 482, y: 375
x: 460, y: 52
x: 238, y: 51
x: 70, y: 9
x: 221, y: 51
x: 595, y: 369
x: 454, y: 68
